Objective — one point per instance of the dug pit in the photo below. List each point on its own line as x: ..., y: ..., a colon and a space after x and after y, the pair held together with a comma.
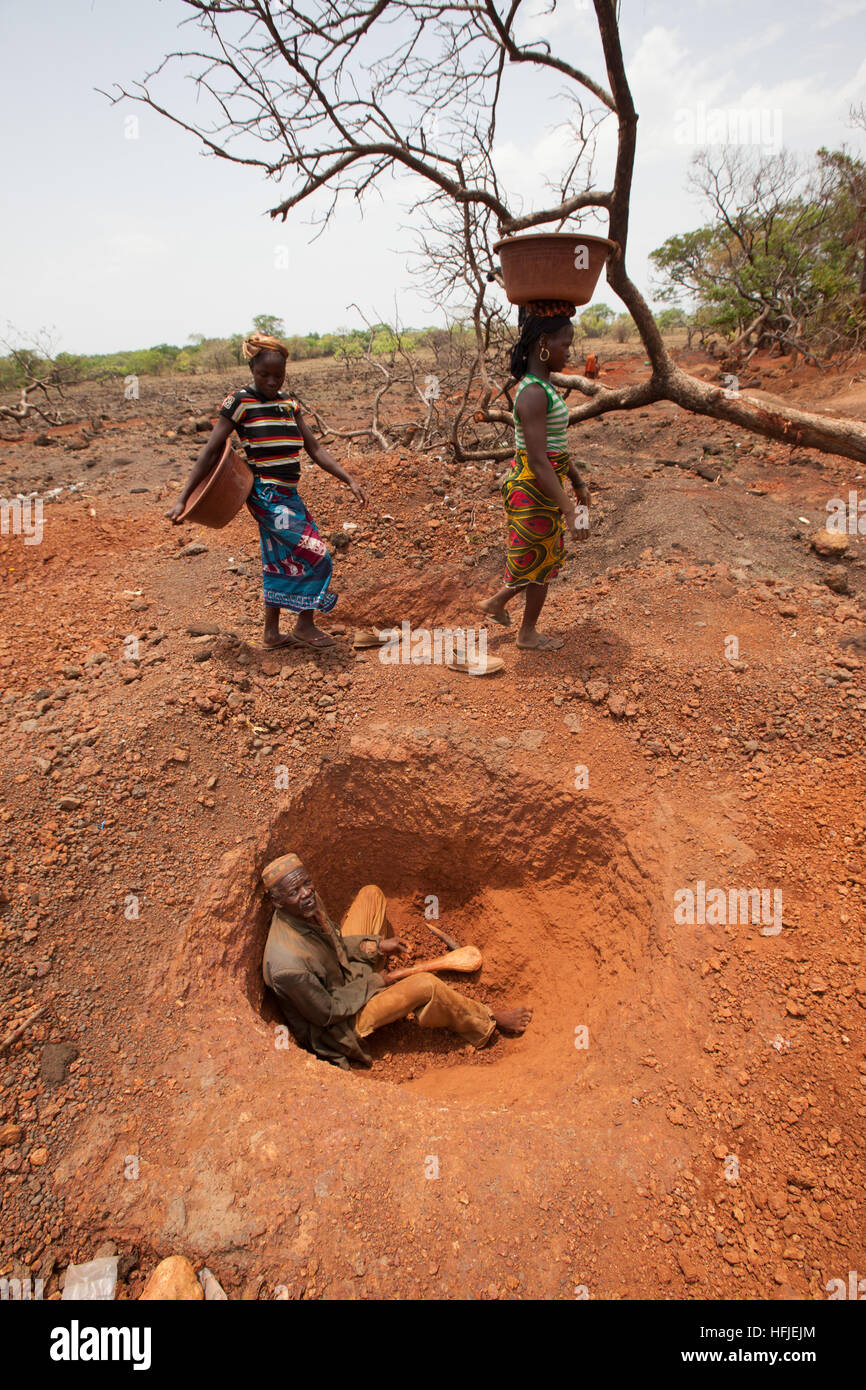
x: 556, y: 887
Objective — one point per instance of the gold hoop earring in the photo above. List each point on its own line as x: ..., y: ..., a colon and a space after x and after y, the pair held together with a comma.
x: 544, y: 354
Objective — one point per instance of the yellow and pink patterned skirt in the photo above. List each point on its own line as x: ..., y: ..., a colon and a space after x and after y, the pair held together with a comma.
x: 535, y: 524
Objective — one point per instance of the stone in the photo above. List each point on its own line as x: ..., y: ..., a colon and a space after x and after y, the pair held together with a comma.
x: 837, y: 580
x: 531, y: 738
x: 174, y: 1280
x: 829, y: 543
x: 37, y: 1157
x: 126, y: 1264
x: 55, y: 1062
x: 597, y: 690
x: 778, y: 1203
x: 617, y: 706
x: 195, y: 548
x: 10, y: 1134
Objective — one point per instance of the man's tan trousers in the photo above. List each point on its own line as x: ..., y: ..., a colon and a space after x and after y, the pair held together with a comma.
x: 434, y: 1004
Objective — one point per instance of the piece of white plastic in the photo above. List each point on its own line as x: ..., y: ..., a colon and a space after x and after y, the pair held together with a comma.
x: 211, y: 1285
x: 95, y: 1280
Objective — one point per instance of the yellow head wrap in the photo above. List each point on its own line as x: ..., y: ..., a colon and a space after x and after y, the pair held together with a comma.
x: 261, y: 342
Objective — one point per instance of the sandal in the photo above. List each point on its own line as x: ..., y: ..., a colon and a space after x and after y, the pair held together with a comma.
x: 366, y: 637
x: 504, y: 621
x: 292, y: 639
x: 488, y: 667
x: 544, y: 644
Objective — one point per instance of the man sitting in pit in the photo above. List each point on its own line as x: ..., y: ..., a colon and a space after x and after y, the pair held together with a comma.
x: 331, y: 986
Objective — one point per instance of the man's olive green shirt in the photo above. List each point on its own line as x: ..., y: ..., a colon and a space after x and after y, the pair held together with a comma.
x: 321, y: 984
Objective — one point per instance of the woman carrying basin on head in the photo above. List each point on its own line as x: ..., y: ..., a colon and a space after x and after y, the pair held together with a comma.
x: 536, y: 503
x: 295, y: 561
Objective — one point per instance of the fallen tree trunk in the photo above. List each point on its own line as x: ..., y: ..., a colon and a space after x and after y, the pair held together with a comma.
x: 830, y: 434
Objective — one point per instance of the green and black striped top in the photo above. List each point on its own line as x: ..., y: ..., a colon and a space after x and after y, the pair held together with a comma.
x: 557, y: 417
x: 269, y: 431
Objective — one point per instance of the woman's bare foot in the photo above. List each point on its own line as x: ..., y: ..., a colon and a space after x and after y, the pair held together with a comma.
x: 534, y: 642
x: 280, y: 639
x: 497, y: 611
x: 512, y: 1020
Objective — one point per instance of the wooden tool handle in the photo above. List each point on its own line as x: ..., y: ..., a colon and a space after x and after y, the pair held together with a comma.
x: 464, y: 959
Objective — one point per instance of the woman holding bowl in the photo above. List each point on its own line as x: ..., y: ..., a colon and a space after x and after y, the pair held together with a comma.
x: 296, y: 564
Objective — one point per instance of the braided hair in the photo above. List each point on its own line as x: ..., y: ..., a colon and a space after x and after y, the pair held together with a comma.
x: 539, y: 316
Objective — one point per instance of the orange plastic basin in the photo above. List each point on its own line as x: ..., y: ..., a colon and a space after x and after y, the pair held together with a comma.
x: 220, y: 496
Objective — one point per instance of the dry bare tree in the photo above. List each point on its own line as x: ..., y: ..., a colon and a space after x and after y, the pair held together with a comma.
x: 41, y: 380
x: 333, y: 98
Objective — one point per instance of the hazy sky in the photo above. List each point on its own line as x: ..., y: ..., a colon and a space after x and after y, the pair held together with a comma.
x: 115, y: 242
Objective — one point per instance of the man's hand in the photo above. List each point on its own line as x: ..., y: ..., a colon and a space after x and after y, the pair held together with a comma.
x: 392, y: 946
x: 391, y: 977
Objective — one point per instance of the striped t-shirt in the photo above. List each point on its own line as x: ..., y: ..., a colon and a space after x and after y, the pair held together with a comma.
x: 557, y: 417
x: 269, y: 432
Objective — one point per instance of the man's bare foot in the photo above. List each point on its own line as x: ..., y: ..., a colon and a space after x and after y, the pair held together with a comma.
x: 497, y: 611
x: 512, y: 1020
x: 535, y: 642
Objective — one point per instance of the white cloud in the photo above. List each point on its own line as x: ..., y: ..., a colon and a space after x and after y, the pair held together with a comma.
x: 836, y: 11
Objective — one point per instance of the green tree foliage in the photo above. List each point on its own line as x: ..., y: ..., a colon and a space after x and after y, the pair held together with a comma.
x: 203, y: 354
x: 270, y: 324
x: 622, y: 328
x: 673, y: 317
x: 596, y: 320
x: 784, y: 259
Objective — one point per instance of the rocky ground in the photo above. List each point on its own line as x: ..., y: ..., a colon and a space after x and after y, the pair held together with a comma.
x: 702, y: 1137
